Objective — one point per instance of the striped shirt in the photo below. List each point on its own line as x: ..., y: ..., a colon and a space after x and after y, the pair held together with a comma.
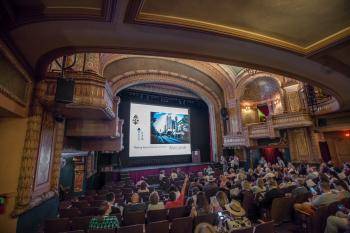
x: 108, y: 222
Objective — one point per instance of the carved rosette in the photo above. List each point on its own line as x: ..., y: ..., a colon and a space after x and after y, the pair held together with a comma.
x: 30, y: 152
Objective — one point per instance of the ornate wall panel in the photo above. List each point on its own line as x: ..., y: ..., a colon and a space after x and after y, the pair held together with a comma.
x: 15, y: 84
x: 294, y: 101
x: 299, y: 144
x: 339, y: 147
x: 40, y: 134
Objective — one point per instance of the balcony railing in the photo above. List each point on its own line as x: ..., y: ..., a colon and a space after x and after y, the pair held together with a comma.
x: 268, y: 129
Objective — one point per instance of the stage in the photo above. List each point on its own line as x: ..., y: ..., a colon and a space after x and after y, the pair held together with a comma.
x: 136, y: 173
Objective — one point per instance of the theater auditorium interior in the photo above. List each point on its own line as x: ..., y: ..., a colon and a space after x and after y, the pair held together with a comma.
x: 160, y: 116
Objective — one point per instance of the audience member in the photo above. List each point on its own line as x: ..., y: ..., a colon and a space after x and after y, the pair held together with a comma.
x: 135, y: 204
x: 154, y: 203
x: 103, y: 220
x: 177, y: 201
x: 202, y: 206
x: 211, y: 187
x: 272, y: 193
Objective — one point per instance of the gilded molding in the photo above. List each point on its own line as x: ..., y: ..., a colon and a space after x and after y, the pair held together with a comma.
x: 29, y: 158
x: 90, y: 91
x: 24, y: 199
x: 56, y: 163
x: 147, y: 17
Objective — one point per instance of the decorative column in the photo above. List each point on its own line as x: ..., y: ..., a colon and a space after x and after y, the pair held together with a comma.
x: 56, y: 163
x: 315, y: 147
x: 29, y: 158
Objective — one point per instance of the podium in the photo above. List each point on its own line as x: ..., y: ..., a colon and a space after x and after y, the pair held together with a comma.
x: 196, y: 156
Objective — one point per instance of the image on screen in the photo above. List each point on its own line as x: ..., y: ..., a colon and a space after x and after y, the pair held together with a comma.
x: 159, y: 130
x: 169, y: 128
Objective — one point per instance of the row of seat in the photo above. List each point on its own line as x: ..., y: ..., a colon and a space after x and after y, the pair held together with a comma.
x: 179, y: 225
x: 140, y: 217
x: 317, y: 222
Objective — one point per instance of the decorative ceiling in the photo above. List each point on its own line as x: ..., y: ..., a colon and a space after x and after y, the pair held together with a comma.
x: 17, y: 12
x: 260, y: 89
x: 297, y: 25
x: 250, y: 34
x: 125, y: 65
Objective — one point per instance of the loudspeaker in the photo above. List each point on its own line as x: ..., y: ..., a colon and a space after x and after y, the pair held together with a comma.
x: 64, y: 90
x: 322, y: 122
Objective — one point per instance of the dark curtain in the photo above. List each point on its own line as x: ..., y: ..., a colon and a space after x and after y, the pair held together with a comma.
x: 270, y: 154
x: 326, y: 155
x: 264, y: 109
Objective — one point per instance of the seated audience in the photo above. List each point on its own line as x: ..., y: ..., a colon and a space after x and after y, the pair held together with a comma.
x: 219, y: 201
x: 272, y: 193
x: 325, y: 198
x: 177, y: 201
x: 103, y: 220
x: 237, y: 213
x: 211, y: 187
x: 110, y: 198
x: 154, y: 203
x: 173, y: 174
x: 259, y: 187
x: 143, y: 188
x: 135, y: 204
x: 338, y: 223
x: 162, y: 175
x: 202, y: 206
x: 300, y: 189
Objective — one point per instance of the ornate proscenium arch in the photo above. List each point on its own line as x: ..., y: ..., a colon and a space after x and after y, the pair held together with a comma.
x: 132, y: 78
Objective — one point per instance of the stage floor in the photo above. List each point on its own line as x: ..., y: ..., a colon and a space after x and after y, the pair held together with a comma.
x: 137, y: 172
x: 166, y: 166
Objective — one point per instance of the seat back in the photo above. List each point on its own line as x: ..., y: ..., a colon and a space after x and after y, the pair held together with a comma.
x: 302, y: 198
x: 157, y: 215
x: 158, y: 227
x: 208, y: 218
x: 69, y: 213
x: 144, y: 196
x: 81, y: 204
x: 133, y: 218
x: 178, y: 212
x: 333, y: 208
x: 89, y: 211
x: 78, y: 231
x: 281, y: 209
x: 266, y: 227
x: 65, y: 205
x: 244, y: 230
x: 131, y: 229
x: 81, y: 223
x: 182, y: 225
x: 96, y: 203
x: 101, y: 231
x: 56, y: 225
x: 319, y: 219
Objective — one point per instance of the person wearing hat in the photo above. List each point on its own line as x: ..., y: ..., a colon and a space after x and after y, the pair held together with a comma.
x: 210, y: 188
x: 237, y: 213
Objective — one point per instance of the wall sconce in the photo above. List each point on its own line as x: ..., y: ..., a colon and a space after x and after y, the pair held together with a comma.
x: 247, y: 108
x: 347, y: 134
